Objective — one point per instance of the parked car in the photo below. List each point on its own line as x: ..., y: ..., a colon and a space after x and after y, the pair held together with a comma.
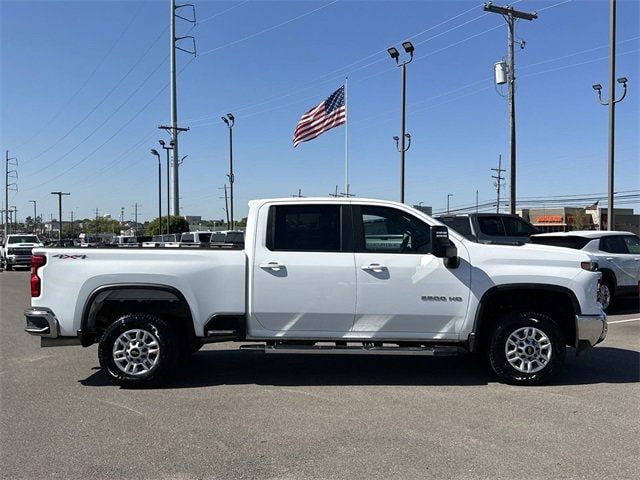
x: 63, y: 243
x: 325, y: 275
x: 170, y: 240
x: 500, y: 228
x: 195, y: 239
x: 228, y: 237
x: 16, y: 250
x: 617, y: 254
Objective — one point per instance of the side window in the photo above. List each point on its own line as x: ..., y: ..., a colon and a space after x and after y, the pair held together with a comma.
x: 491, y: 226
x: 461, y: 225
x: 304, y: 228
x: 633, y: 244
x: 613, y: 245
x: 516, y: 227
x: 204, y: 237
x: 188, y: 237
x: 387, y: 230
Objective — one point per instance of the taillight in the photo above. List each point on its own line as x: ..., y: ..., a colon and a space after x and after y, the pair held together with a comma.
x: 37, y: 261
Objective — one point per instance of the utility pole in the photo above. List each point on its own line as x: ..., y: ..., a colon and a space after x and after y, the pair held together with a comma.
x: 72, y: 224
x: 60, y: 194
x: 135, y: 219
x: 511, y: 15
x: 15, y: 218
x: 299, y: 195
x: 498, y: 180
x: 229, y: 121
x: 173, y: 129
x: 612, y: 109
x: 449, y: 195
x: 35, y: 217
x: 96, y: 214
x: 10, y: 185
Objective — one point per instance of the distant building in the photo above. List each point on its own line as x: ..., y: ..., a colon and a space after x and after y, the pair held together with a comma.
x: 566, y: 219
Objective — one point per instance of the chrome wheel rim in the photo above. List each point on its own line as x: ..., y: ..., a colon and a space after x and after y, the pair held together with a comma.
x: 136, y: 352
x: 604, y: 295
x: 528, y: 350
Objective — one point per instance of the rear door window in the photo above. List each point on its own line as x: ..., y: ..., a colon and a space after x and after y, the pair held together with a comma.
x: 462, y: 225
x: 304, y: 228
x: 576, y: 243
x: 188, y: 237
x: 613, y: 244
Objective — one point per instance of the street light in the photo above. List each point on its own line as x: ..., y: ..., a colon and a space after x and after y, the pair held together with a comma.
x: 229, y: 120
x: 170, y: 147
x: 60, y: 194
x: 400, y: 141
x: 155, y: 152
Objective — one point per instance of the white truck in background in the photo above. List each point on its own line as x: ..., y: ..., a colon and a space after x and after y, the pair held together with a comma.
x: 16, y: 249
x: 324, y: 275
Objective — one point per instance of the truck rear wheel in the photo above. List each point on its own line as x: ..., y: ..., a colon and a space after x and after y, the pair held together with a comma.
x: 526, y: 348
x: 138, y: 350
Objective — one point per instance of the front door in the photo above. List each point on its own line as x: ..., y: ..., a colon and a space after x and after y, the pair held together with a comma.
x: 402, y: 289
x: 304, y: 273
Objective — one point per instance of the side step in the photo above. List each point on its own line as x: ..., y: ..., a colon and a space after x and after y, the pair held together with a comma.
x: 435, y: 351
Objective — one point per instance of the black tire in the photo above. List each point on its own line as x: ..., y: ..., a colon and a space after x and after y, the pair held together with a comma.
x: 8, y: 267
x: 512, y: 372
x: 154, y: 366
x: 607, y: 289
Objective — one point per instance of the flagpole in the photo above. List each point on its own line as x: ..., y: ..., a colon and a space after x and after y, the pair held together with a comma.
x: 346, y: 139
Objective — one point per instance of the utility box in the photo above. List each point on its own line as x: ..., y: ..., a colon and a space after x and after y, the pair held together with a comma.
x: 500, y: 72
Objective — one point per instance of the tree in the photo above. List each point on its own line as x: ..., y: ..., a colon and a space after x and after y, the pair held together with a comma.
x: 102, y: 225
x: 176, y: 225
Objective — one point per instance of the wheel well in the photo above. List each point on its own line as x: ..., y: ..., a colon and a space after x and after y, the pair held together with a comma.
x: 560, y: 304
x: 609, y: 277
x: 107, y: 304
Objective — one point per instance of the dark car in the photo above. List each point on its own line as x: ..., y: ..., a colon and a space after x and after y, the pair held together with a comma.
x: 500, y: 228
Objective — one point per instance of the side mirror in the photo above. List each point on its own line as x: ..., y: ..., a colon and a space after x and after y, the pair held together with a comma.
x: 442, y: 246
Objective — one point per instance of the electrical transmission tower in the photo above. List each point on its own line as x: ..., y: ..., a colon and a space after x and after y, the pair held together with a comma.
x: 173, y: 129
x: 498, y: 181
x: 10, y: 185
x: 511, y: 15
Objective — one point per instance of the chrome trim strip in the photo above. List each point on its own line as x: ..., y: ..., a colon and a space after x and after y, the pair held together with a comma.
x: 52, y: 330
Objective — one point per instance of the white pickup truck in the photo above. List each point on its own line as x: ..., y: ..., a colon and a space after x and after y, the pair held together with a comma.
x: 324, y: 275
x: 16, y: 250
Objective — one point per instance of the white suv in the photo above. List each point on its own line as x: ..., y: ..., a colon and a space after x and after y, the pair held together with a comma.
x: 617, y: 254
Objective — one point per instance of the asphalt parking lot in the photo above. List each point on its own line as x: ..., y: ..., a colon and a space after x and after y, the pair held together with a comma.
x: 235, y: 414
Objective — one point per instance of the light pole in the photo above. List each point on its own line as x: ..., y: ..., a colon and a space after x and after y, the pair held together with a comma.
x: 35, y: 217
x: 170, y: 147
x: 612, y: 108
x: 400, y: 141
x: 229, y: 120
x: 449, y: 195
x: 155, y: 152
x: 60, y: 194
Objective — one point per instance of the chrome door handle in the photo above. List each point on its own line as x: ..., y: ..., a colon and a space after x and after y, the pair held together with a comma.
x: 272, y: 265
x: 373, y: 267
x: 609, y: 258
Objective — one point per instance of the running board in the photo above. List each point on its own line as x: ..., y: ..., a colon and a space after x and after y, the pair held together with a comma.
x: 437, y: 351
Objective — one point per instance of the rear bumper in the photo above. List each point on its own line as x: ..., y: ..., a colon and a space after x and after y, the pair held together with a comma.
x: 590, y: 330
x: 41, y: 322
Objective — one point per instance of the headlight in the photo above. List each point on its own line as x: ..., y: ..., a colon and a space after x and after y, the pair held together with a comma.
x: 590, y: 266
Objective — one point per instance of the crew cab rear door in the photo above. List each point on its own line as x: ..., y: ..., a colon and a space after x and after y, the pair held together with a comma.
x: 304, y: 271
x: 402, y: 289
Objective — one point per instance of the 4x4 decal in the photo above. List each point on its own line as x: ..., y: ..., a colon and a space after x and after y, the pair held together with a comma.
x: 63, y: 256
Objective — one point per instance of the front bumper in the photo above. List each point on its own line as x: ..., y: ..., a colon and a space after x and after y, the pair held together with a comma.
x: 41, y: 322
x: 19, y: 260
x: 590, y: 330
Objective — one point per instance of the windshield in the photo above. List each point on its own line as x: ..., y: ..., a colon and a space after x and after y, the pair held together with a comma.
x: 24, y: 239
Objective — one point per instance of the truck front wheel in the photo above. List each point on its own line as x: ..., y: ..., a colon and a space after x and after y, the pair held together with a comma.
x: 138, y: 350
x: 526, y: 348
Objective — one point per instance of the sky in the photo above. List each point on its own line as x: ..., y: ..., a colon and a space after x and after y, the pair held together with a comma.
x: 84, y: 87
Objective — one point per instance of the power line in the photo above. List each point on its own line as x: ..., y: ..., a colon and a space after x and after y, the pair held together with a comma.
x: 253, y: 35
x: 102, y: 100
x: 200, y: 22
x: 86, y: 82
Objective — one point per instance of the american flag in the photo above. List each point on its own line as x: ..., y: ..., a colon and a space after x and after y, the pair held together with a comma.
x: 328, y: 114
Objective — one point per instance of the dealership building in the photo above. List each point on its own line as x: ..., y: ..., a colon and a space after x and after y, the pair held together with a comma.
x: 565, y: 219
